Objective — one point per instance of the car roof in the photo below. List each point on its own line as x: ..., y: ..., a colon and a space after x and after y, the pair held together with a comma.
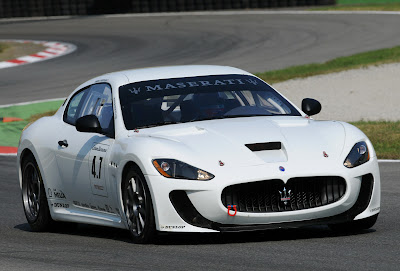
x: 154, y: 73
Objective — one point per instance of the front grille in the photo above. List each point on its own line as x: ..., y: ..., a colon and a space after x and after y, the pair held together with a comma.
x: 275, y: 196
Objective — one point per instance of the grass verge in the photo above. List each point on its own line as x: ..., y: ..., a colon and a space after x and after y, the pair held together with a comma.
x: 360, y: 60
x: 385, y: 136
x: 11, y: 50
x: 353, y: 2
x: 11, y: 132
x: 3, y: 46
x: 362, y: 7
x: 359, y: 5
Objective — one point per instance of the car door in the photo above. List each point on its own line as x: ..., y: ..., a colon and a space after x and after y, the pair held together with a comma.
x: 82, y: 157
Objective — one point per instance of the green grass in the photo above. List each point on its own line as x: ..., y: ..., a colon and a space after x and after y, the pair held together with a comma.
x: 377, y: 5
x: 385, y: 136
x: 352, y: 2
x: 10, y: 132
x: 361, y: 60
x: 3, y: 46
x: 362, y: 7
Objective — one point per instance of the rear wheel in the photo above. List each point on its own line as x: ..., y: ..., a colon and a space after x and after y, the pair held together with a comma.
x: 138, y: 207
x: 34, y: 199
x: 356, y: 225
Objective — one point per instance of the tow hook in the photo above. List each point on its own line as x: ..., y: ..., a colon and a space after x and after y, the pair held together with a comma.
x: 233, y: 208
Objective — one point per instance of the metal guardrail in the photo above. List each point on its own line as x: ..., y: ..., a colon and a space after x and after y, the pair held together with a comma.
x: 32, y: 8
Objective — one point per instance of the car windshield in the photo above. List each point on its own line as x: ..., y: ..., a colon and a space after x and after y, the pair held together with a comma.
x: 179, y: 100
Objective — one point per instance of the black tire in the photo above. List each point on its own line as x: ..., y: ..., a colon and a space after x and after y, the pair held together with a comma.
x: 34, y: 198
x: 356, y: 225
x: 138, y: 207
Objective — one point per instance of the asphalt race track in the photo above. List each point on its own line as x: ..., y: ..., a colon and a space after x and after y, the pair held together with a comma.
x: 98, y: 248
x: 252, y: 42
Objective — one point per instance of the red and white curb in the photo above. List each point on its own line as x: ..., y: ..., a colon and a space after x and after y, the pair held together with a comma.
x: 53, y: 49
x: 8, y: 151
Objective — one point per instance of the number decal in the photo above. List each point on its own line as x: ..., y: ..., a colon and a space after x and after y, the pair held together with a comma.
x: 94, y: 173
x: 101, y: 160
x: 97, y: 169
x: 94, y: 167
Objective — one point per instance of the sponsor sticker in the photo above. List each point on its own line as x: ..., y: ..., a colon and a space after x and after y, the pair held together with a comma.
x: 172, y: 227
x: 201, y: 83
x: 375, y: 209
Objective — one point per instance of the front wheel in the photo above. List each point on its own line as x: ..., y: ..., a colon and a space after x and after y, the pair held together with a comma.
x: 34, y: 199
x: 356, y: 225
x: 138, y: 207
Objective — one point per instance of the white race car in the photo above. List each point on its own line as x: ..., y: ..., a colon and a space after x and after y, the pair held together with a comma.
x: 194, y: 149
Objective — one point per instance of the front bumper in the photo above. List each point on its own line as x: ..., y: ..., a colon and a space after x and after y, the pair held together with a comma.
x: 194, y: 206
x: 189, y: 214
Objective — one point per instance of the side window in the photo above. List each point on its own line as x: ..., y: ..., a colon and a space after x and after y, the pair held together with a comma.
x: 96, y: 100
x: 74, y: 107
x: 99, y: 103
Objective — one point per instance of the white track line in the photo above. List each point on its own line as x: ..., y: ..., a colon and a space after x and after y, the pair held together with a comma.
x: 388, y: 161
x: 38, y: 18
x: 53, y: 49
x: 249, y: 12
x: 33, y: 102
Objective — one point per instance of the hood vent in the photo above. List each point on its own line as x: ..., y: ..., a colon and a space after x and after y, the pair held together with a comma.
x: 267, y: 146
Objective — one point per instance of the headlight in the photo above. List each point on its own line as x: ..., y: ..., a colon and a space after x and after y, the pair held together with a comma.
x: 358, y: 155
x: 171, y: 168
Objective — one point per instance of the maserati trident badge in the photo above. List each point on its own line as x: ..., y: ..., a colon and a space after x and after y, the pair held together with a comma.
x: 285, y: 195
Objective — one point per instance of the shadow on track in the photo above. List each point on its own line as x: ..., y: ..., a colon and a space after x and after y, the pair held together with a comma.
x: 163, y: 239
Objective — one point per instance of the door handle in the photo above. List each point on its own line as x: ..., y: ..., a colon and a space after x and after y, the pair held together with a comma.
x: 63, y: 143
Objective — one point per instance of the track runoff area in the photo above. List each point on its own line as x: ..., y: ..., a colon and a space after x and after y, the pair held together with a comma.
x: 52, y: 49
x: 56, y: 49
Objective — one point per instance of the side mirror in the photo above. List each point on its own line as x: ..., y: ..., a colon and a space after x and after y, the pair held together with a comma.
x: 88, y: 124
x: 310, y: 106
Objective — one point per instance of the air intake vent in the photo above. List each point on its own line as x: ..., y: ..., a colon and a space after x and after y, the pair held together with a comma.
x: 267, y: 146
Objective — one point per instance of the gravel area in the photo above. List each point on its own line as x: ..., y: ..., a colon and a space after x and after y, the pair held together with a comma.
x: 18, y: 49
x: 371, y: 93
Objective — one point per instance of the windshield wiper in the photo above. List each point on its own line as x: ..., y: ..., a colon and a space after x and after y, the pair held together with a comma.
x: 157, y: 124
x: 229, y: 117
x: 243, y: 116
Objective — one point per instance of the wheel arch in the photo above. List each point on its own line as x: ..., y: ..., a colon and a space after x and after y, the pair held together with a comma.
x: 29, y: 150
x: 128, y: 165
x: 25, y: 153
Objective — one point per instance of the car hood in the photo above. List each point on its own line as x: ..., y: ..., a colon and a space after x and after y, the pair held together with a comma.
x: 227, y: 140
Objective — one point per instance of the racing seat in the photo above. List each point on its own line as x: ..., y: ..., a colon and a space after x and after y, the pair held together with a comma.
x: 188, y: 111
x: 146, y: 114
x: 231, y: 104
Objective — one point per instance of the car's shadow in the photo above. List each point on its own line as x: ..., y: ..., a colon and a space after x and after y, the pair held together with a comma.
x: 310, y: 232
